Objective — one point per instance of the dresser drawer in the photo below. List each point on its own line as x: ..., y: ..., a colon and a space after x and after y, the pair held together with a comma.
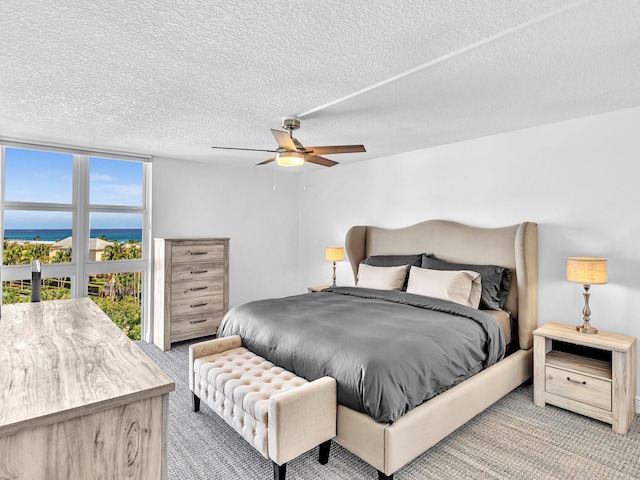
x: 205, y: 305
x: 196, y: 252
x: 187, y: 327
x: 194, y: 289
x: 577, y: 387
x: 208, y: 272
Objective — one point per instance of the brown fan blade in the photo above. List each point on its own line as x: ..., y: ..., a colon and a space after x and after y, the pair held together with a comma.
x: 325, y: 162
x: 336, y: 149
x: 284, y: 140
x: 245, y: 149
x: 269, y: 160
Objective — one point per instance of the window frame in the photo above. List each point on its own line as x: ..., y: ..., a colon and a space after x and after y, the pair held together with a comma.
x: 81, y: 267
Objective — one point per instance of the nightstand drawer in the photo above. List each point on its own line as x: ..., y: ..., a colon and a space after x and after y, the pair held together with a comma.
x: 581, y: 388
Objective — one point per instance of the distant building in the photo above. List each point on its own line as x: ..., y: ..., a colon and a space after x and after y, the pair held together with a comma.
x: 96, y: 247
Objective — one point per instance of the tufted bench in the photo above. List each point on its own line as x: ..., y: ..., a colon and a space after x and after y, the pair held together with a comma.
x: 280, y: 414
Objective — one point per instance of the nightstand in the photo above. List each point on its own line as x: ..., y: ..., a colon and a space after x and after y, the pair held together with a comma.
x: 317, y: 288
x: 594, y: 375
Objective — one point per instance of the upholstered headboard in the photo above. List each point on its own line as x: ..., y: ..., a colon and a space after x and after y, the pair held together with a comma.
x: 515, y: 247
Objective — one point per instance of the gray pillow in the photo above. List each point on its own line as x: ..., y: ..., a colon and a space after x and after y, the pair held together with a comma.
x: 394, y: 260
x: 495, y: 280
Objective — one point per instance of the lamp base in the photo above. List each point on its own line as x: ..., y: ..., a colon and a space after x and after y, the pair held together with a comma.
x: 586, y: 328
x: 586, y: 314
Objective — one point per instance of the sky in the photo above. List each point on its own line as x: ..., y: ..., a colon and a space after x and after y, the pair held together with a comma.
x: 47, y: 177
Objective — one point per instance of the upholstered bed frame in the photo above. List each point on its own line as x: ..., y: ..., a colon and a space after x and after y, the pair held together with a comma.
x: 388, y: 447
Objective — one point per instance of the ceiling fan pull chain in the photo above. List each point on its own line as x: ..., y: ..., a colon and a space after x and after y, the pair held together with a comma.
x: 304, y: 176
x: 275, y: 176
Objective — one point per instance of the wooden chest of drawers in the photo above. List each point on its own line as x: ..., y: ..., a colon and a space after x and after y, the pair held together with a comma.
x: 191, y: 288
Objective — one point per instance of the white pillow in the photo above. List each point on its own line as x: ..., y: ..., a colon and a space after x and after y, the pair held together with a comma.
x: 381, y: 278
x: 460, y: 286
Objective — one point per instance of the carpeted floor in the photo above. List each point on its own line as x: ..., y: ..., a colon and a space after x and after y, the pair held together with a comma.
x: 513, y: 439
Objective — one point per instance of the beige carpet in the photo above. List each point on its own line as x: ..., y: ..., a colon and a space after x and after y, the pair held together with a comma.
x: 513, y: 439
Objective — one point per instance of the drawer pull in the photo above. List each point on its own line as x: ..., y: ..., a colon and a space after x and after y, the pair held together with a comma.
x: 198, y: 253
x: 197, y: 321
x: 195, y: 289
x: 576, y: 381
x: 198, y: 305
x: 198, y: 272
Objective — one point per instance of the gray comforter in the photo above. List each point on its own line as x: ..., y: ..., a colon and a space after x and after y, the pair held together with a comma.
x: 388, y: 350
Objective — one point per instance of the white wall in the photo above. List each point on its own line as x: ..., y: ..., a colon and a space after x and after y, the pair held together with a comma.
x: 579, y: 180
x: 198, y: 200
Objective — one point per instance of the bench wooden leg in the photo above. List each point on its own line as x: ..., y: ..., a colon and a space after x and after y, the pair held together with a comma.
x: 195, y: 402
x: 384, y: 476
x: 279, y: 471
x: 323, y: 456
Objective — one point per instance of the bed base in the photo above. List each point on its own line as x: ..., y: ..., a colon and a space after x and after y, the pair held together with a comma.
x: 388, y: 447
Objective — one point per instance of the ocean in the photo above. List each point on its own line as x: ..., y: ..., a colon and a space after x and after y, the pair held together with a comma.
x: 53, y: 235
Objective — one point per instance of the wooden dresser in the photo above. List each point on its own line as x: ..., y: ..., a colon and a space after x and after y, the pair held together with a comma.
x: 191, y: 288
x: 78, y: 399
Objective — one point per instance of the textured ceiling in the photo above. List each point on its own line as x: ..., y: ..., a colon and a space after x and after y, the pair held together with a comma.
x: 174, y: 77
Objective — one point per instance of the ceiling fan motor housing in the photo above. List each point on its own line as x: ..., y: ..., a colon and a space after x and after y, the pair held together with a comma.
x: 290, y: 123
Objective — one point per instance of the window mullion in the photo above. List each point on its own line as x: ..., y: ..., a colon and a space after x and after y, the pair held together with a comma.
x: 39, y: 207
x: 80, y: 242
x: 147, y: 254
x: 2, y: 177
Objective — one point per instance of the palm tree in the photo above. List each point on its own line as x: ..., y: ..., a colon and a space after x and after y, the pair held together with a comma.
x: 62, y: 256
x: 11, y: 253
x: 115, y: 251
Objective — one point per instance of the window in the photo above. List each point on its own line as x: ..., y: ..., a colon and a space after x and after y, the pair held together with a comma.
x: 115, y: 182
x: 38, y: 176
x: 86, y: 218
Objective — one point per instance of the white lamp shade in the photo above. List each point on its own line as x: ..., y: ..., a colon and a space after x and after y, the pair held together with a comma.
x: 334, y: 254
x: 290, y: 159
x: 587, y: 270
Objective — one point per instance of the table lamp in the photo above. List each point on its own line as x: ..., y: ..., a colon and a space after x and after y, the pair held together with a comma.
x: 588, y: 271
x: 334, y: 254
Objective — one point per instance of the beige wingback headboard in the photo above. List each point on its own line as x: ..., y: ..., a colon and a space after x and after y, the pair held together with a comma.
x: 515, y: 247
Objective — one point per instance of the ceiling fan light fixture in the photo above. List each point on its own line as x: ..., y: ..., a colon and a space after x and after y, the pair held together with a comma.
x: 290, y: 159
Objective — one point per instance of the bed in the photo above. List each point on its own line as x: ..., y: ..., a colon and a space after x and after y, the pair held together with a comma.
x: 389, y: 442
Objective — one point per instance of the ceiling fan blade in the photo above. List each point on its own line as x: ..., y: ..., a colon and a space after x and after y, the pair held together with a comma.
x: 284, y: 140
x: 269, y: 160
x: 336, y: 149
x: 245, y: 149
x: 325, y: 162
